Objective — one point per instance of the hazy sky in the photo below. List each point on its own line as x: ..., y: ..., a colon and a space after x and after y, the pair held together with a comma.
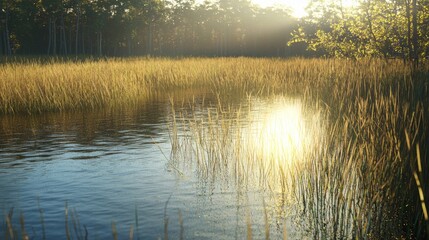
x: 297, y: 6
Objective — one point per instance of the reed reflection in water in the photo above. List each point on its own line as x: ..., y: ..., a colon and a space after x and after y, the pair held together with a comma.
x: 257, y: 145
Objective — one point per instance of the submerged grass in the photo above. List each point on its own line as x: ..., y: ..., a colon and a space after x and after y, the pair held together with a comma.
x: 80, y: 232
x: 11, y: 231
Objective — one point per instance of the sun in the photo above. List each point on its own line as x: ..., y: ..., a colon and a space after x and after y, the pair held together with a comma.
x: 296, y: 6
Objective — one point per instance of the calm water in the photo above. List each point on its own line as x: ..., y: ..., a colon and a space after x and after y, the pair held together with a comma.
x: 114, y: 166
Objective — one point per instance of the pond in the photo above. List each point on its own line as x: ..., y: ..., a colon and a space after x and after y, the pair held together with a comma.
x: 147, y: 170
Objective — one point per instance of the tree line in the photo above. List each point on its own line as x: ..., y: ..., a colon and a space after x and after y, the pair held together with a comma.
x: 378, y: 28
x: 381, y: 28
x: 140, y: 27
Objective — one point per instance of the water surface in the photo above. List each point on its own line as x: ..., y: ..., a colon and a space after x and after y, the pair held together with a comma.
x: 114, y: 166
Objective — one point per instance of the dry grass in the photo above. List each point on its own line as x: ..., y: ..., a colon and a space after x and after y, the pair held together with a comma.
x: 53, y: 85
x: 357, y: 180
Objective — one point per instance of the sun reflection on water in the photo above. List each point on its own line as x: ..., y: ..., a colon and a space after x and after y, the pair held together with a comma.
x: 283, y: 132
x: 259, y: 148
x: 263, y: 143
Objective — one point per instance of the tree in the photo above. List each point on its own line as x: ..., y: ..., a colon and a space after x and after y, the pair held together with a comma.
x: 371, y: 28
x: 415, y: 35
x: 5, y: 6
x: 376, y: 28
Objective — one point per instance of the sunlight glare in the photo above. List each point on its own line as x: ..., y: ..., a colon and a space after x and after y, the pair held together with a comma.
x: 281, y: 132
x: 284, y: 133
x: 298, y: 7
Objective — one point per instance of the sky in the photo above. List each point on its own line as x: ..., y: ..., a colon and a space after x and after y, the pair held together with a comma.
x: 297, y: 6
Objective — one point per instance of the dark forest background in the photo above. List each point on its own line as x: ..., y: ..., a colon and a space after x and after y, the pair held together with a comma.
x: 376, y: 28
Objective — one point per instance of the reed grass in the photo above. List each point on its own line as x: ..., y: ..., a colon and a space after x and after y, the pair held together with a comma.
x: 356, y: 181
x: 40, y: 85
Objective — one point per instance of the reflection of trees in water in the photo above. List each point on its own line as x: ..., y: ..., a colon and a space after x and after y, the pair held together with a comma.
x: 40, y: 137
x: 81, y: 127
x: 25, y: 139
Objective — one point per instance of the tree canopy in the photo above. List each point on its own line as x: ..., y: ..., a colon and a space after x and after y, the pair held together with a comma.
x: 377, y: 28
